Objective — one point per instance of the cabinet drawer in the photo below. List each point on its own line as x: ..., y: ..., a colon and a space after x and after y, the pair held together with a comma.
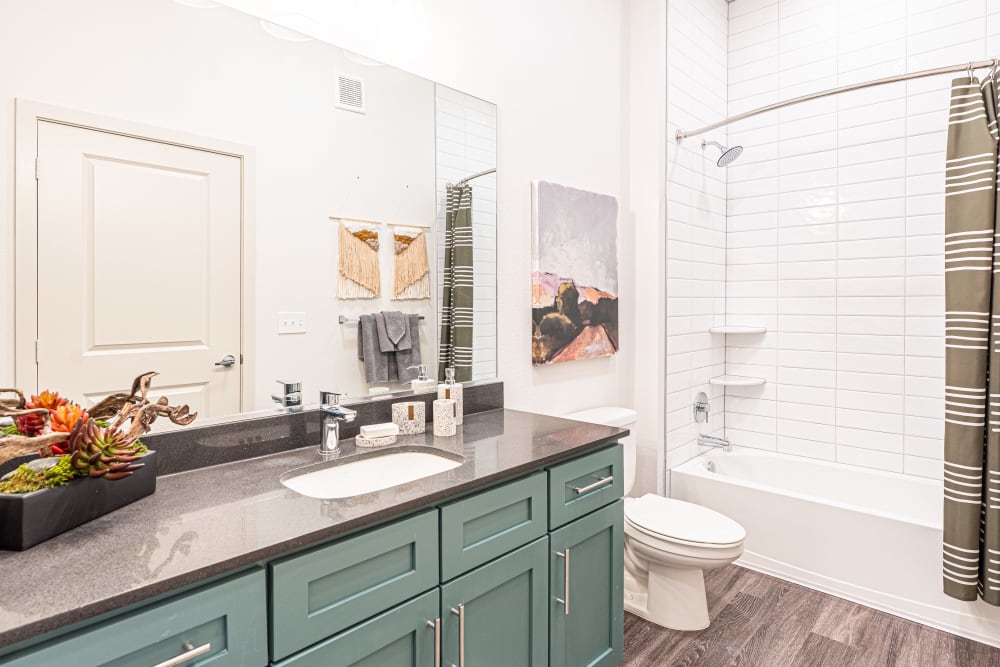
x: 319, y: 593
x: 228, y: 617
x: 477, y: 529
x: 400, y: 637
x: 585, y: 484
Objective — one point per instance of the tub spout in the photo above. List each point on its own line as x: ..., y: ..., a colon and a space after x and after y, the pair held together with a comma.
x: 712, y: 441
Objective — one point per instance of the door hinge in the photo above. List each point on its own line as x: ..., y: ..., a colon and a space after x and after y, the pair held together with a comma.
x: 36, y: 352
x: 241, y: 358
x: 36, y: 168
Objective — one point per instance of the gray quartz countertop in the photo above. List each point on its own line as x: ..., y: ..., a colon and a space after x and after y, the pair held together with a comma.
x: 210, y: 521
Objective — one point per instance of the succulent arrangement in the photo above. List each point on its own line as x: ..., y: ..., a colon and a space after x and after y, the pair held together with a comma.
x: 102, y: 442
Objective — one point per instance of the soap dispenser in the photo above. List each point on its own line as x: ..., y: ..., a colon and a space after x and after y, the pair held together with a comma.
x: 452, y: 390
x: 422, y: 383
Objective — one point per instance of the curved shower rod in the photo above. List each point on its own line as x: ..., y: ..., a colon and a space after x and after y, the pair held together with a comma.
x: 681, y: 135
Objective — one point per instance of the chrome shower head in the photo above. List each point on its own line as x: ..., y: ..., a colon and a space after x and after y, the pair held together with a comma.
x: 729, y: 154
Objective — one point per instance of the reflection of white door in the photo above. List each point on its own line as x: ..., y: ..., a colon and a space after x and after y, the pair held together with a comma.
x: 139, y: 246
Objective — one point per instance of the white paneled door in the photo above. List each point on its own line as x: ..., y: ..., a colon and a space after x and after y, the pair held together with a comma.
x: 139, y: 246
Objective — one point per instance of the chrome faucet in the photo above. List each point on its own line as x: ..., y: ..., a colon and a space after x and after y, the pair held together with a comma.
x: 712, y: 441
x: 333, y: 414
x: 291, y: 394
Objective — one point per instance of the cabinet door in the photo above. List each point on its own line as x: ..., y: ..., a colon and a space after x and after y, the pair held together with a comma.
x: 404, y: 636
x: 498, y: 614
x: 586, y: 597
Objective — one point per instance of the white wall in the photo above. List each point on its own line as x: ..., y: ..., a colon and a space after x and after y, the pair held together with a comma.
x: 695, y: 220
x: 556, y: 73
x: 215, y: 73
x: 835, y: 223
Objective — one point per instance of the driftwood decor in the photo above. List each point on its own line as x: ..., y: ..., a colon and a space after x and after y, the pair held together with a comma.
x: 133, y: 407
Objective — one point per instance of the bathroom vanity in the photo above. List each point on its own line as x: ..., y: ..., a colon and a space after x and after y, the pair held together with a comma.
x: 512, y: 558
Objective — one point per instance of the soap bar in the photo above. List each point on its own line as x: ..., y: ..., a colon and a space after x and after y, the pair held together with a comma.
x: 379, y: 430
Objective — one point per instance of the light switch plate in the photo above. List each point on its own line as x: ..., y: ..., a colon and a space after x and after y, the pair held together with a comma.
x: 291, y: 322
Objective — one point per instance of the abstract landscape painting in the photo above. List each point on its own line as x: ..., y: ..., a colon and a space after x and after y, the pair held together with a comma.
x: 575, y: 280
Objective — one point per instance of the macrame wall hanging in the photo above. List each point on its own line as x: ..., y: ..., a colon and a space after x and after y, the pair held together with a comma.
x: 411, y: 273
x: 358, y: 272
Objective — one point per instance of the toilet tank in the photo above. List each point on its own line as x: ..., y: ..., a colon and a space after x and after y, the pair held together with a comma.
x: 622, y: 418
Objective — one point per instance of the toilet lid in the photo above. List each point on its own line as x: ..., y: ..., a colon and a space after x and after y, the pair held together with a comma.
x: 680, y: 520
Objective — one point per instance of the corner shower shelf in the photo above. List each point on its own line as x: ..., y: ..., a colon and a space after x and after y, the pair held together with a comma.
x: 736, y: 381
x: 734, y: 329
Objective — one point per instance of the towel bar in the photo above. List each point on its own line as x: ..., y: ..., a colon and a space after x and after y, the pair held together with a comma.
x: 353, y: 320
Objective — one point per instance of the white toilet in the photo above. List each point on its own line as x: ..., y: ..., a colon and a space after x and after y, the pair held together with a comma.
x: 668, y: 544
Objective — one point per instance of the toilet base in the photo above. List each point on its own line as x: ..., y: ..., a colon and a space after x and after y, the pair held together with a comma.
x: 677, y: 595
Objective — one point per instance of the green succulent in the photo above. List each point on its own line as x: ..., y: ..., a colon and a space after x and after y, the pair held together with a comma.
x: 26, y: 479
x: 10, y: 430
x: 103, y: 452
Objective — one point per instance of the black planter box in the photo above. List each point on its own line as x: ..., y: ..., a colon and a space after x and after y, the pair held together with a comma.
x: 29, y: 518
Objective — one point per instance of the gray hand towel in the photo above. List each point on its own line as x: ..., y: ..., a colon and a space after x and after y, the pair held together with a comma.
x: 410, y: 357
x: 376, y: 361
x: 397, y: 328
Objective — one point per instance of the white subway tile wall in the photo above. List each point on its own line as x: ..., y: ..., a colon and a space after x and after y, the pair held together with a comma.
x: 696, y: 221
x: 835, y: 223
x: 465, y: 144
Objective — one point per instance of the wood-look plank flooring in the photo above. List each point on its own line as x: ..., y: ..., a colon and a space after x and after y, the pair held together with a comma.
x: 762, y: 621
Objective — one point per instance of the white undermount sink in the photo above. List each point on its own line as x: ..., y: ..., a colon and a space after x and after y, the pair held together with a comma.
x: 372, y: 473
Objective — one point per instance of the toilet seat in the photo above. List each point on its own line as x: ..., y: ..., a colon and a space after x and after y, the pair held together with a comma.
x: 682, y: 523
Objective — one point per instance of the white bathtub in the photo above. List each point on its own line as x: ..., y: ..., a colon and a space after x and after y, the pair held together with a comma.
x: 869, y: 536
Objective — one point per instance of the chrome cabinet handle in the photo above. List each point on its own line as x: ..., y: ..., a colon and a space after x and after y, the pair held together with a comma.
x: 436, y: 624
x: 227, y: 361
x: 564, y: 601
x: 190, y: 652
x: 580, y: 490
x: 460, y: 612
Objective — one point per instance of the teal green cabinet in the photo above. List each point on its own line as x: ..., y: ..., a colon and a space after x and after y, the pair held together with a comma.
x: 498, y: 613
x: 321, y: 592
x: 477, y: 529
x: 406, y: 636
x: 222, y: 625
x: 586, y: 590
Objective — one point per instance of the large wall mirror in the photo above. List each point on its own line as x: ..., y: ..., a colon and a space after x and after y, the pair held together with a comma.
x: 221, y: 199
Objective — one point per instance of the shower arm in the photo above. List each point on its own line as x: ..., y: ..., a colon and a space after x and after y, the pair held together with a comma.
x: 681, y: 135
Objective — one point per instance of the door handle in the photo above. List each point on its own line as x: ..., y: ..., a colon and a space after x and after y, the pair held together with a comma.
x: 436, y: 624
x: 580, y: 490
x: 460, y: 612
x: 227, y: 361
x: 564, y: 601
x: 190, y: 653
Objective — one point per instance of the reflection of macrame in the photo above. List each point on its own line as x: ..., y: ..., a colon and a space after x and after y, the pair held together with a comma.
x: 358, y: 267
x: 412, y: 278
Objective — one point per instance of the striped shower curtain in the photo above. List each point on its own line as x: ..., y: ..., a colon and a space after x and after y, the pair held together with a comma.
x: 972, y: 346
x: 455, y: 348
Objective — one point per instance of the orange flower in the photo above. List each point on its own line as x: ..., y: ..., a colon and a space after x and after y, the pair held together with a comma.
x: 64, y: 417
x: 50, y: 400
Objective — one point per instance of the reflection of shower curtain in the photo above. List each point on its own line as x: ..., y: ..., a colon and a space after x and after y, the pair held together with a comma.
x: 971, y: 551
x: 456, y: 300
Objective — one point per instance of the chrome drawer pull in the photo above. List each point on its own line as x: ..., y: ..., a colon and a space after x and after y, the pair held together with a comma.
x: 580, y: 490
x: 565, y: 599
x: 436, y: 624
x: 189, y: 653
x: 460, y: 612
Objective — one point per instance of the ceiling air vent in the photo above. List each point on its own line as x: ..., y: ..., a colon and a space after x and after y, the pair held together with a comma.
x: 350, y: 93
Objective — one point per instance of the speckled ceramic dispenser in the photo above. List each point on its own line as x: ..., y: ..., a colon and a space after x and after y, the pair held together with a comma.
x: 445, y: 420
x: 410, y: 416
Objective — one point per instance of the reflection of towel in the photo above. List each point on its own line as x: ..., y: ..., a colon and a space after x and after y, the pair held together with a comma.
x: 410, y: 356
x: 376, y: 362
x: 393, y: 331
x: 392, y: 365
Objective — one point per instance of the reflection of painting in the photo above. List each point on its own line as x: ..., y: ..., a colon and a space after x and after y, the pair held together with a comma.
x: 411, y: 275
x: 575, y: 280
x: 358, y: 272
